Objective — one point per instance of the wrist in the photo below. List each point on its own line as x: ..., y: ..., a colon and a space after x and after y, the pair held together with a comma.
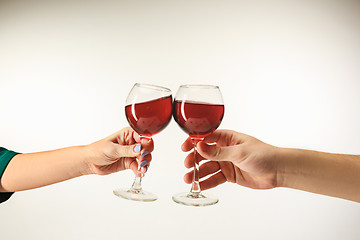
x: 87, y: 159
x: 285, y: 166
x: 297, y: 166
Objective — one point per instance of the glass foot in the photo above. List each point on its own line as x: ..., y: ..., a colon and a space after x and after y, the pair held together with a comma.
x: 136, y: 195
x: 197, y: 200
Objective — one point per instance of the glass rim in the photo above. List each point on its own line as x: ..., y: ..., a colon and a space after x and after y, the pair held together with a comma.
x: 152, y: 86
x: 198, y: 86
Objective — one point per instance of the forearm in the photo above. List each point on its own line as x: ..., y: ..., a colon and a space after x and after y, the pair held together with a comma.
x: 33, y: 170
x: 335, y: 175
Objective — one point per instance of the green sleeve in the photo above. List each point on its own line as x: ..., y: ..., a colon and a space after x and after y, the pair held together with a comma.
x: 5, y: 158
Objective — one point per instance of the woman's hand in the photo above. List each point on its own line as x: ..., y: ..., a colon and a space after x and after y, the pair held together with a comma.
x: 118, y: 152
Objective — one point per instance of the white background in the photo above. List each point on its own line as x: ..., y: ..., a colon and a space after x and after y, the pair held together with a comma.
x: 289, y: 72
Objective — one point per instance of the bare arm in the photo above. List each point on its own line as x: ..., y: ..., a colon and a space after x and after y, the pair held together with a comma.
x: 32, y: 170
x: 330, y: 174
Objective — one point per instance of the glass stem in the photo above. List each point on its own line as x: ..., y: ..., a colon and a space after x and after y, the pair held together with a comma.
x: 136, y: 186
x: 195, y: 188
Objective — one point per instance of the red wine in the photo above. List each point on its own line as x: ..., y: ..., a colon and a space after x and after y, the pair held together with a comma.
x: 149, y: 118
x: 198, y: 119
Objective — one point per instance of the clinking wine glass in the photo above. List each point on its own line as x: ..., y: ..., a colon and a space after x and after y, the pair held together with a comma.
x: 198, y: 110
x: 148, y: 110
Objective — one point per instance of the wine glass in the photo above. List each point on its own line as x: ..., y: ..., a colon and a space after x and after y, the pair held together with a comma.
x: 148, y: 110
x: 198, y: 110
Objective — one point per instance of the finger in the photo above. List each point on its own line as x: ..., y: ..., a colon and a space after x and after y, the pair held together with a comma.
x: 205, y: 169
x: 143, y: 162
x: 216, y: 153
x: 127, y: 150
x: 188, y: 177
x: 190, y: 160
x: 213, y: 181
x: 131, y: 163
x: 226, y: 137
x: 208, y: 168
x: 217, y: 136
x: 136, y: 136
x: 124, y: 135
x: 228, y: 170
x: 145, y: 168
x: 187, y: 145
x: 146, y: 158
x: 147, y: 144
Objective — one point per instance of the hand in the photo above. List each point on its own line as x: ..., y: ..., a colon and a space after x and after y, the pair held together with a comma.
x: 236, y: 158
x: 119, y: 152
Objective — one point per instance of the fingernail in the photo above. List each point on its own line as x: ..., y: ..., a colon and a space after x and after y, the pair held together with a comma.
x: 146, y: 152
x: 146, y: 168
x: 137, y: 148
x: 143, y: 163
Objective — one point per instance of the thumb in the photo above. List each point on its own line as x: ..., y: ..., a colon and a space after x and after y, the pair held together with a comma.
x: 213, y: 152
x: 128, y: 150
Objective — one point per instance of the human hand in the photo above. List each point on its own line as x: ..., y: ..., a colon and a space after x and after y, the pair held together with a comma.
x: 234, y: 157
x: 118, y: 152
